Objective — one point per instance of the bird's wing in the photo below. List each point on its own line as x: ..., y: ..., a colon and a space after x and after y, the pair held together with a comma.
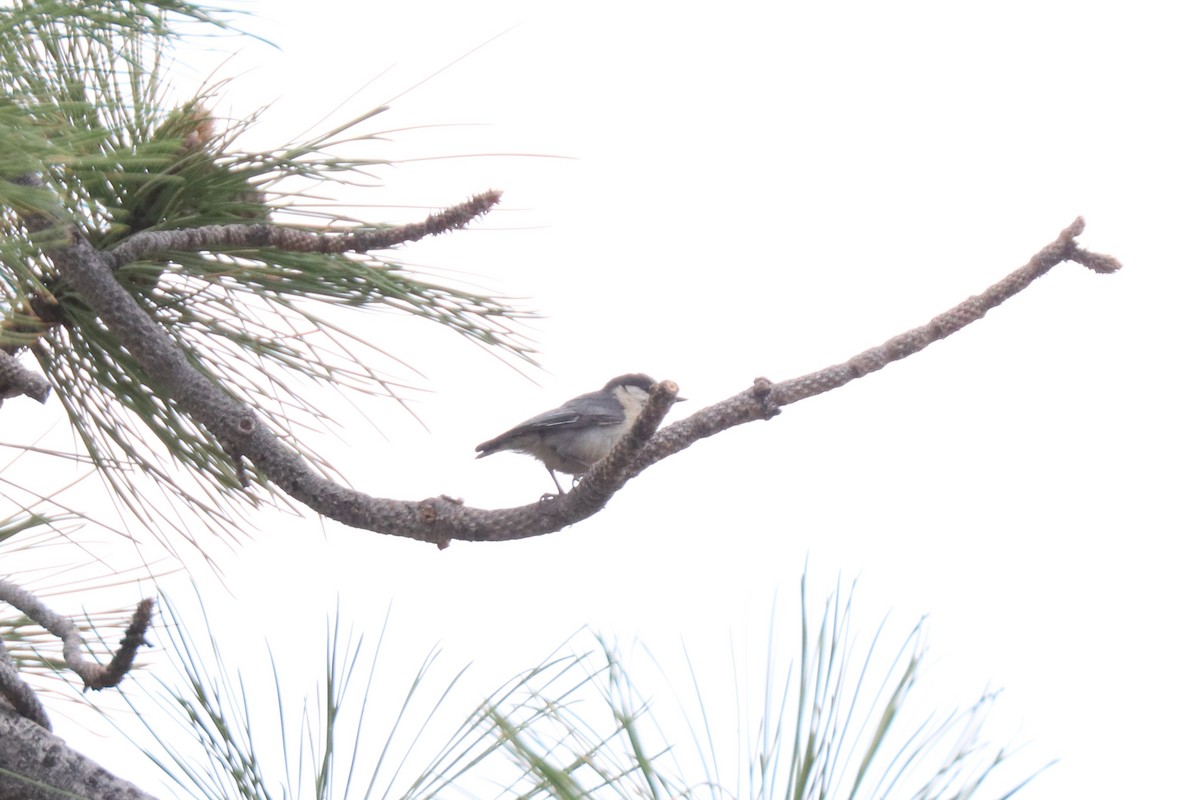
x: 567, y: 417
x: 576, y: 413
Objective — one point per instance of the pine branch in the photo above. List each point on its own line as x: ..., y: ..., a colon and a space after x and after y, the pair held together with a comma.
x: 244, y: 435
x: 40, y: 766
x: 18, y: 693
x: 227, y: 237
x: 95, y: 676
x: 764, y: 399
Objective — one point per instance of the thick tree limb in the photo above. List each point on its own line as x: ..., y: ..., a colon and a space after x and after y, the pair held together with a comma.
x: 443, y: 519
x: 40, y: 766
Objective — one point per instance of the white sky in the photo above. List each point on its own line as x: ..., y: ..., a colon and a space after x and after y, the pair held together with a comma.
x: 767, y: 191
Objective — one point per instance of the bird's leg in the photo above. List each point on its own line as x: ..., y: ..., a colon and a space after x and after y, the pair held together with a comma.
x: 554, y: 478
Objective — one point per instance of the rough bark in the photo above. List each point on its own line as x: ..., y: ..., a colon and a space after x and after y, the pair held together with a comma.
x: 37, y: 765
x: 442, y: 519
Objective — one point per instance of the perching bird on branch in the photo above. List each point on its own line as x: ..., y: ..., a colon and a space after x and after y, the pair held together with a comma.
x: 580, y: 432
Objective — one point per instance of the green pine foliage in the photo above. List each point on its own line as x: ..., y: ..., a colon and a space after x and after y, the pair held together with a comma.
x: 92, y: 140
x: 836, y: 724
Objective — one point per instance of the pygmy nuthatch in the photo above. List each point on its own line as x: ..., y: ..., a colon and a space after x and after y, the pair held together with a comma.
x: 581, y: 431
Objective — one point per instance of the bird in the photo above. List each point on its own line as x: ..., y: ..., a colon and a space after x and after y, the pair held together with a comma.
x: 580, y: 432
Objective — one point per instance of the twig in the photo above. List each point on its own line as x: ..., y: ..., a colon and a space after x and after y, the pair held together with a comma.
x: 95, y: 676
x: 228, y: 237
x: 764, y: 400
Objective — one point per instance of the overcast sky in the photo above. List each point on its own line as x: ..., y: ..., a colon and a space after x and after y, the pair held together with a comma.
x: 767, y: 189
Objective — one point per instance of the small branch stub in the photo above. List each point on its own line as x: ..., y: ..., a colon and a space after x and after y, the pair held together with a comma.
x: 16, y: 380
x: 762, y: 391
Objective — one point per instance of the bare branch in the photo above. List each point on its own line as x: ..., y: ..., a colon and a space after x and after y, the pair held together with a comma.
x: 442, y: 519
x: 95, y: 676
x: 225, y: 237
x: 763, y: 400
